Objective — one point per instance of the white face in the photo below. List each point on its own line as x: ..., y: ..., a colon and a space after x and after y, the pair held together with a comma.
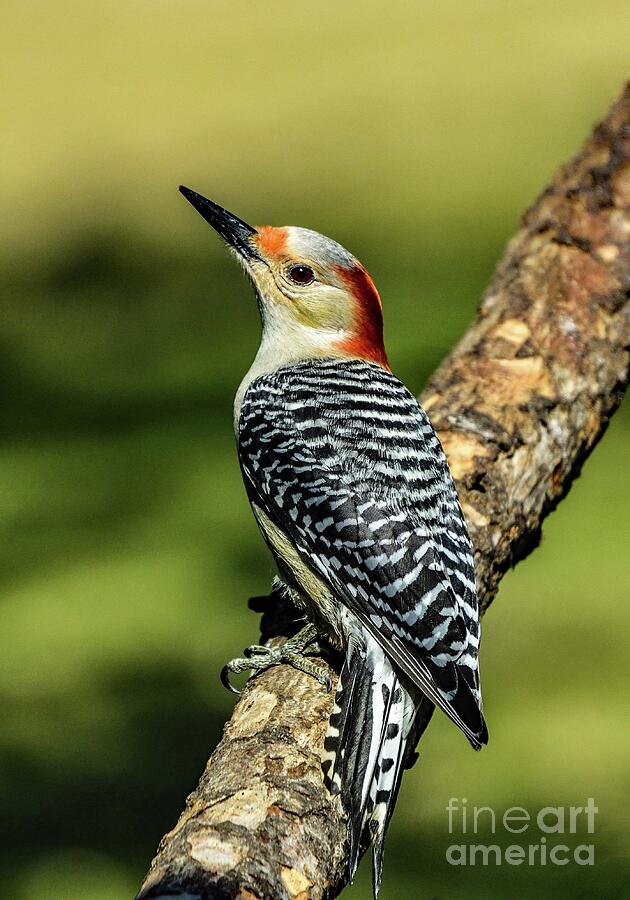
x: 301, y: 288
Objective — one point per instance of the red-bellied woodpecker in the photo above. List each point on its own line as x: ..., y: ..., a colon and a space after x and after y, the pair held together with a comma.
x: 351, y: 489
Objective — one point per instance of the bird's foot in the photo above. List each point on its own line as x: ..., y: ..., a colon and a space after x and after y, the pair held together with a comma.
x: 293, y: 652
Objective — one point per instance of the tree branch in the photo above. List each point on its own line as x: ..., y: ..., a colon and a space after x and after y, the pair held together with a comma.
x: 518, y: 405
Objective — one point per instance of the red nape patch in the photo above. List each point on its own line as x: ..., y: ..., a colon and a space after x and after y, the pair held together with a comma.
x: 272, y: 241
x: 367, y: 340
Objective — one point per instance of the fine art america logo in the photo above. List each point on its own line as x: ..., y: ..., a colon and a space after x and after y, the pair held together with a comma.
x: 543, y: 835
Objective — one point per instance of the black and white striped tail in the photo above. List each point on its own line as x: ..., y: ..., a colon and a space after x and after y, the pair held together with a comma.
x: 366, y: 748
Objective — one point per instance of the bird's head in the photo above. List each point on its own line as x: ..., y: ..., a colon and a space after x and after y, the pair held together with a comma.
x: 315, y: 298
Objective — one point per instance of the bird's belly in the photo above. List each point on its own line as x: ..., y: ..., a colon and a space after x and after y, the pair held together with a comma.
x: 308, y: 592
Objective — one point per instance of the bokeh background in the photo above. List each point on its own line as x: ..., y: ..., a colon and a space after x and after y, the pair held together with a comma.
x: 414, y: 133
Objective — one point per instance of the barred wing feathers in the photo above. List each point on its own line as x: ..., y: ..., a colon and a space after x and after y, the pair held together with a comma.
x: 343, y: 460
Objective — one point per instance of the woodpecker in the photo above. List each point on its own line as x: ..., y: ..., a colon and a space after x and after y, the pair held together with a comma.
x: 351, y: 490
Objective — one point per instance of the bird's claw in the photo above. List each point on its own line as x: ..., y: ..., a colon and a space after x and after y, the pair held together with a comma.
x: 225, y: 680
x: 257, y: 658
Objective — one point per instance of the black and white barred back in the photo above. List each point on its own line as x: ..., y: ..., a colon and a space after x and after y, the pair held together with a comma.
x: 341, y: 458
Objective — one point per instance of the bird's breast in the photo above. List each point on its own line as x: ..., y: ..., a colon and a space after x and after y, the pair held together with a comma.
x: 313, y: 595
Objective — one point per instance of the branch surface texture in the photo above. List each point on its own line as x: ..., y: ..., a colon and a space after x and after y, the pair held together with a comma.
x: 518, y: 405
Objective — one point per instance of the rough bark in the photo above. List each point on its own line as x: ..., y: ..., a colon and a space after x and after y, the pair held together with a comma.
x: 519, y: 404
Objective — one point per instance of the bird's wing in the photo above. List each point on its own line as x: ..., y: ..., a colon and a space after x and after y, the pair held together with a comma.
x: 390, y: 548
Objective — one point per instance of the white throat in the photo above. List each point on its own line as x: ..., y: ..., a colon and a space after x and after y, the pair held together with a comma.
x: 284, y: 341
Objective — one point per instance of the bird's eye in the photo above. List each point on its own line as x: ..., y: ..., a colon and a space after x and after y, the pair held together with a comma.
x: 301, y: 274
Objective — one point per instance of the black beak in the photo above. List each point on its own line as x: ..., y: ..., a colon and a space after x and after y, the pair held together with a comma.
x: 232, y: 229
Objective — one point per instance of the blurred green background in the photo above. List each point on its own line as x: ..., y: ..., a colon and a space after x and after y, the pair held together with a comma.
x: 414, y: 133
